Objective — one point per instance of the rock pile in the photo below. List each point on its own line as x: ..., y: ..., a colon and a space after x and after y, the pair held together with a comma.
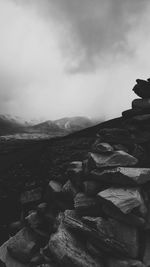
x: 100, y: 217
x: 140, y: 112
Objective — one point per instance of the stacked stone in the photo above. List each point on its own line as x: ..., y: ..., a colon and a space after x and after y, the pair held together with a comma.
x: 111, y: 213
x: 140, y: 112
x: 99, y: 217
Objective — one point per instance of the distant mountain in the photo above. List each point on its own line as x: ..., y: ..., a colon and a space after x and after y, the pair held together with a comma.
x: 64, y: 125
x: 48, y: 127
x: 74, y: 123
x: 14, y: 124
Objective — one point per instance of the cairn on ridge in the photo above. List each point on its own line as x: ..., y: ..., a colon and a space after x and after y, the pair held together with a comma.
x: 140, y: 112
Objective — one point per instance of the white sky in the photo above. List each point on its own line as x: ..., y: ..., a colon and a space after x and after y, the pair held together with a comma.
x: 72, y: 57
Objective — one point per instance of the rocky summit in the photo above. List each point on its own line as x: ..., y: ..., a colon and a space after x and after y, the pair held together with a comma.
x: 96, y: 213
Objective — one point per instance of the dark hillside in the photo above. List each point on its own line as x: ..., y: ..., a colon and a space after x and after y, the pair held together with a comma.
x: 10, y: 127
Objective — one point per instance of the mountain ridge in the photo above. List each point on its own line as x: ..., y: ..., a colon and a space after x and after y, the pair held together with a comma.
x: 62, y: 126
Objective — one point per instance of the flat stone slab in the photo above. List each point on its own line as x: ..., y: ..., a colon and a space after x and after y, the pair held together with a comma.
x: 122, y: 176
x: 118, y: 158
x: 124, y: 199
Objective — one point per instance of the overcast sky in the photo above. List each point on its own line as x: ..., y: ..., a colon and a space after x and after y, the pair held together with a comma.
x: 72, y: 57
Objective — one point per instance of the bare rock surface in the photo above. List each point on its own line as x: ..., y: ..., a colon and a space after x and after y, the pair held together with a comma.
x: 126, y: 235
x: 70, y: 252
x: 124, y: 199
x: 118, y: 158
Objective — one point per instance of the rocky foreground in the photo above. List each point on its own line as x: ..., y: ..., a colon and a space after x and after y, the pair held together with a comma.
x: 99, y: 214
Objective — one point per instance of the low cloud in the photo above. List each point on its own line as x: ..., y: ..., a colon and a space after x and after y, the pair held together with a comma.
x: 95, y: 32
x: 65, y: 58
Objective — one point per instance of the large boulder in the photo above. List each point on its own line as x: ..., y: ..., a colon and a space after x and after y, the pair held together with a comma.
x: 68, y: 251
x: 108, y: 236
x: 118, y: 158
x: 124, y: 199
x: 122, y: 176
